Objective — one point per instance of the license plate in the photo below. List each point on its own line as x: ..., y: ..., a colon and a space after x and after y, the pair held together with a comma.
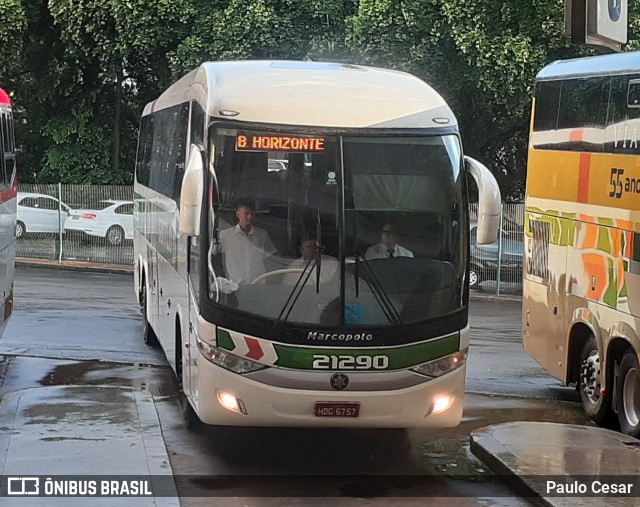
x: 324, y: 409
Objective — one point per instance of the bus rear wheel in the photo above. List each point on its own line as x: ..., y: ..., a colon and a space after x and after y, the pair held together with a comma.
x: 596, y: 398
x: 628, y: 394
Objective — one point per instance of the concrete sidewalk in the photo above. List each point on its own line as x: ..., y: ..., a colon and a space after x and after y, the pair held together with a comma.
x: 84, y: 431
x: 529, y: 454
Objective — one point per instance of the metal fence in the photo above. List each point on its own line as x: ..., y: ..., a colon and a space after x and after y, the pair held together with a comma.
x: 495, y: 268
x: 43, y: 212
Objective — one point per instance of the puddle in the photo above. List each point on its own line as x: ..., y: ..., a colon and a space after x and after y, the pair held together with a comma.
x: 158, y: 381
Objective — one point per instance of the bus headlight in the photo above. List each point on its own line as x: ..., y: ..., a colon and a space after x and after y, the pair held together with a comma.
x: 228, y: 360
x: 443, y: 365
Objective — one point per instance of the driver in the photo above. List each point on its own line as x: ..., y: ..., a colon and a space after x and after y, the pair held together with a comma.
x: 245, y: 248
x: 309, y: 249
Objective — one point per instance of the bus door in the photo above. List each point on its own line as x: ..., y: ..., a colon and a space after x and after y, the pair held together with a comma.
x: 191, y: 350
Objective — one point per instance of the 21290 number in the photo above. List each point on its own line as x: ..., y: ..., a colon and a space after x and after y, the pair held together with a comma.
x: 322, y: 362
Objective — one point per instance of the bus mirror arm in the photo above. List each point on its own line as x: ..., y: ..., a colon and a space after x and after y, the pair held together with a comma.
x: 490, y: 202
x: 191, y: 194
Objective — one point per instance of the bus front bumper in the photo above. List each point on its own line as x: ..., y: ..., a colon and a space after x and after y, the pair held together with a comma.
x: 265, y: 405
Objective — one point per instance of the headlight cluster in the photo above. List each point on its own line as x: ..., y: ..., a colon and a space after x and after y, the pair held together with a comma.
x: 442, y: 366
x: 228, y: 360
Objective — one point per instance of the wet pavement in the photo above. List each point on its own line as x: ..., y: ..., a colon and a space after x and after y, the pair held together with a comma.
x: 81, y: 431
x: 590, y: 465
x: 80, y: 412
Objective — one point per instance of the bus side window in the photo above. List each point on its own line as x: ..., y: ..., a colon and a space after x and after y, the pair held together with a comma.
x: 197, y: 124
x: 631, y: 143
x: 545, y: 118
x: 616, y: 115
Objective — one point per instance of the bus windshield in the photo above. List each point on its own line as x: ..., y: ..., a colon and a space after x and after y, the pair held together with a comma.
x: 336, y: 229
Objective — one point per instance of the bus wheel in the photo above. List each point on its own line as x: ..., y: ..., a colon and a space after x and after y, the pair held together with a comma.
x: 628, y: 394
x: 149, y: 335
x: 596, y: 403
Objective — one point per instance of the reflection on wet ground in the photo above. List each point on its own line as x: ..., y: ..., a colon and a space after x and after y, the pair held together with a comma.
x: 152, y: 379
x: 25, y: 372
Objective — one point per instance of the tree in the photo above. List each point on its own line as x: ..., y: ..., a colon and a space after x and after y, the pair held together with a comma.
x: 481, y: 55
x: 80, y: 71
x: 264, y: 29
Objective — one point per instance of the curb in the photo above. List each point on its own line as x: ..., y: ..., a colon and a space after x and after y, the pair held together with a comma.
x: 488, y: 453
x: 23, y: 262
x: 525, y: 454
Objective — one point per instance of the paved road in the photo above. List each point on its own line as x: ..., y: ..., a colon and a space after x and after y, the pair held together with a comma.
x: 497, y: 362
x: 63, y: 318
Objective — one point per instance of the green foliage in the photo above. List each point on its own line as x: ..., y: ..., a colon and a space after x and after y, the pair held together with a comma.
x: 13, y: 24
x: 82, y: 70
x: 481, y: 55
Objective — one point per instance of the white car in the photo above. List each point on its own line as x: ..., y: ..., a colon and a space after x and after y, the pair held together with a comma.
x: 112, y: 221
x: 40, y: 213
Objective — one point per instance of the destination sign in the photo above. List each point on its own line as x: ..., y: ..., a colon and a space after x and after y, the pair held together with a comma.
x: 277, y: 142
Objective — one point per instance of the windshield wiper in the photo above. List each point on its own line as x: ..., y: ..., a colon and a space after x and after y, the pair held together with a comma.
x: 319, y: 249
x: 294, y: 295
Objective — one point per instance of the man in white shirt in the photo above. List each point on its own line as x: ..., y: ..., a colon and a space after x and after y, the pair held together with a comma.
x: 388, y: 246
x: 245, y: 248
x: 329, y: 265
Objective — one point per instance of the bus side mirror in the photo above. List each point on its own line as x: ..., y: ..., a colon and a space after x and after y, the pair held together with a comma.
x: 191, y: 194
x: 490, y: 202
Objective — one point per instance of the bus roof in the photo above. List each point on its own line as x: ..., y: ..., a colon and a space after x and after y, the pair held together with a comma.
x: 4, y: 98
x: 619, y: 63
x: 310, y: 93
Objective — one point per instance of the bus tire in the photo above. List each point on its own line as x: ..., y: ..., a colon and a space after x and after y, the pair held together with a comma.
x: 149, y: 335
x: 596, y: 404
x: 628, y: 394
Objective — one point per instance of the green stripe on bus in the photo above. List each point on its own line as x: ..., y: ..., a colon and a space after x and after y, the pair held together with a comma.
x: 225, y: 341
x: 399, y: 357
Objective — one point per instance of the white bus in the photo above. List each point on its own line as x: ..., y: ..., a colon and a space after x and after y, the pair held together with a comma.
x: 262, y: 333
x: 8, y: 203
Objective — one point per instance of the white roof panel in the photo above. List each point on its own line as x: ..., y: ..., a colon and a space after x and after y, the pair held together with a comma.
x: 315, y: 94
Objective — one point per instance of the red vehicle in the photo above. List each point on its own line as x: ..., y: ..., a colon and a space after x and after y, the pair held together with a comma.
x: 8, y: 193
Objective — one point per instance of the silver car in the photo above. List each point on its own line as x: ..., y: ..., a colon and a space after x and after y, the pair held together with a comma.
x: 40, y: 213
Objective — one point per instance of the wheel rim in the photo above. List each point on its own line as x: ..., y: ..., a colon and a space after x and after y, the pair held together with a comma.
x: 19, y: 230
x: 590, y: 383
x: 631, y: 397
x: 473, y: 278
x: 115, y: 235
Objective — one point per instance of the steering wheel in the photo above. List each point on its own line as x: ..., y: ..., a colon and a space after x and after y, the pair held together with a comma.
x: 264, y: 276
